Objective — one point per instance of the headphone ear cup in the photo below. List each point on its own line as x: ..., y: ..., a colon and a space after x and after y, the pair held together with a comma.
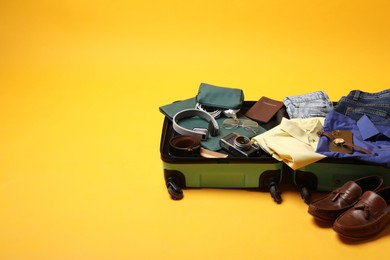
x: 203, y: 131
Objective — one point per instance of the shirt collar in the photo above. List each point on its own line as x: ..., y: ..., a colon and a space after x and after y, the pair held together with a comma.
x: 368, y: 129
x: 304, y: 130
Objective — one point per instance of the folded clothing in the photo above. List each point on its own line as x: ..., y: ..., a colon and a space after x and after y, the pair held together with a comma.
x: 372, y: 137
x: 294, y: 141
x: 374, y: 105
x: 314, y: 104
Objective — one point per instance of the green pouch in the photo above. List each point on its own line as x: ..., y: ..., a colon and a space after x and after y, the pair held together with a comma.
x: 171, y: 109
x: 219, y: 97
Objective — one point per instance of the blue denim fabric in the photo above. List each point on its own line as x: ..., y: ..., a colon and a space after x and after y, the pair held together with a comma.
x: 358, y: 103
x: 314, y: 104
x: 365, y: 97
x: 375, y: 138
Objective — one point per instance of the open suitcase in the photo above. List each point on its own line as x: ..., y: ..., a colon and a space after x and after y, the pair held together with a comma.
x: 262, y: 173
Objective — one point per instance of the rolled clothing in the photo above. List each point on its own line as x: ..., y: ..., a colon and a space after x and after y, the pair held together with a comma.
x: 314, y: 104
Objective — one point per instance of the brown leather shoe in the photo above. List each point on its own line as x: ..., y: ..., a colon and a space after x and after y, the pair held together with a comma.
x: 367, y: 218
x: 338, y: 201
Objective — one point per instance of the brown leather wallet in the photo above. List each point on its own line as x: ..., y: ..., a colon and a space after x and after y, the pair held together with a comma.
x: 341, y: 141
x: 264, y: 109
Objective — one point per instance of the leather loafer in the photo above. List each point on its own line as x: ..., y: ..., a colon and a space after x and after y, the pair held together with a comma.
x: 367, y: 218
x: 331, y: 206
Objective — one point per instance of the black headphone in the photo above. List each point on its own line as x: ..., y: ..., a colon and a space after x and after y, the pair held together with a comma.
x: 201, y: 133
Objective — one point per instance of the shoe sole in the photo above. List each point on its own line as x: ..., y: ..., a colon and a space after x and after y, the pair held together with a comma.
x: 338, y: 231
x: 321, y: 219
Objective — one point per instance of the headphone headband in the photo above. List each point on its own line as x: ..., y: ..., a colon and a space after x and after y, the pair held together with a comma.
x: 201, y: 133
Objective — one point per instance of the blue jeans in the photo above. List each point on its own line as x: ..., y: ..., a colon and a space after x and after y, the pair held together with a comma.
x: 358, y: 103
x: 314, y: 104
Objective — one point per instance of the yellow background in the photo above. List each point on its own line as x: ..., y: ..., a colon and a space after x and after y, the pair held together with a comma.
x: 80, y: 86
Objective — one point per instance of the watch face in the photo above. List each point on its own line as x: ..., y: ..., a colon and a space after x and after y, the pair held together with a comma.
x: 339, y: 141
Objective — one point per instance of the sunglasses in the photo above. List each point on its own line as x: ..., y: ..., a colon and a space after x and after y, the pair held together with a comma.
x: 248, y: 125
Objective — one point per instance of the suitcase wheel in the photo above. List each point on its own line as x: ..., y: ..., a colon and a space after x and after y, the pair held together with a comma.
x: 270, y: 180
x: 305, y: 194
x: 174, y: 181
x: 174, y: 190
x: 306, y: 183
x: 275, y: 192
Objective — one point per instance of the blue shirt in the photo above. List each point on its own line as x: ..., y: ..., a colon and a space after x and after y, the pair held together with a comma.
x: 373, y: 137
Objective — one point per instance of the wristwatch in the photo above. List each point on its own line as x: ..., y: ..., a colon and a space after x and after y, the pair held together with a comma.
x: 338, y: 141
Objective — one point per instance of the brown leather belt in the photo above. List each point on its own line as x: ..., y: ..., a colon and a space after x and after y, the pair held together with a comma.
x: 184, y: 145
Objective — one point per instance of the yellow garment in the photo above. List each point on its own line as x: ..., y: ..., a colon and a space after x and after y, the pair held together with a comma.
x: 294, y: 141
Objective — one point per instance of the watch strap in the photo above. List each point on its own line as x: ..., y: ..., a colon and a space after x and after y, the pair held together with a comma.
x: 339, y: 141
